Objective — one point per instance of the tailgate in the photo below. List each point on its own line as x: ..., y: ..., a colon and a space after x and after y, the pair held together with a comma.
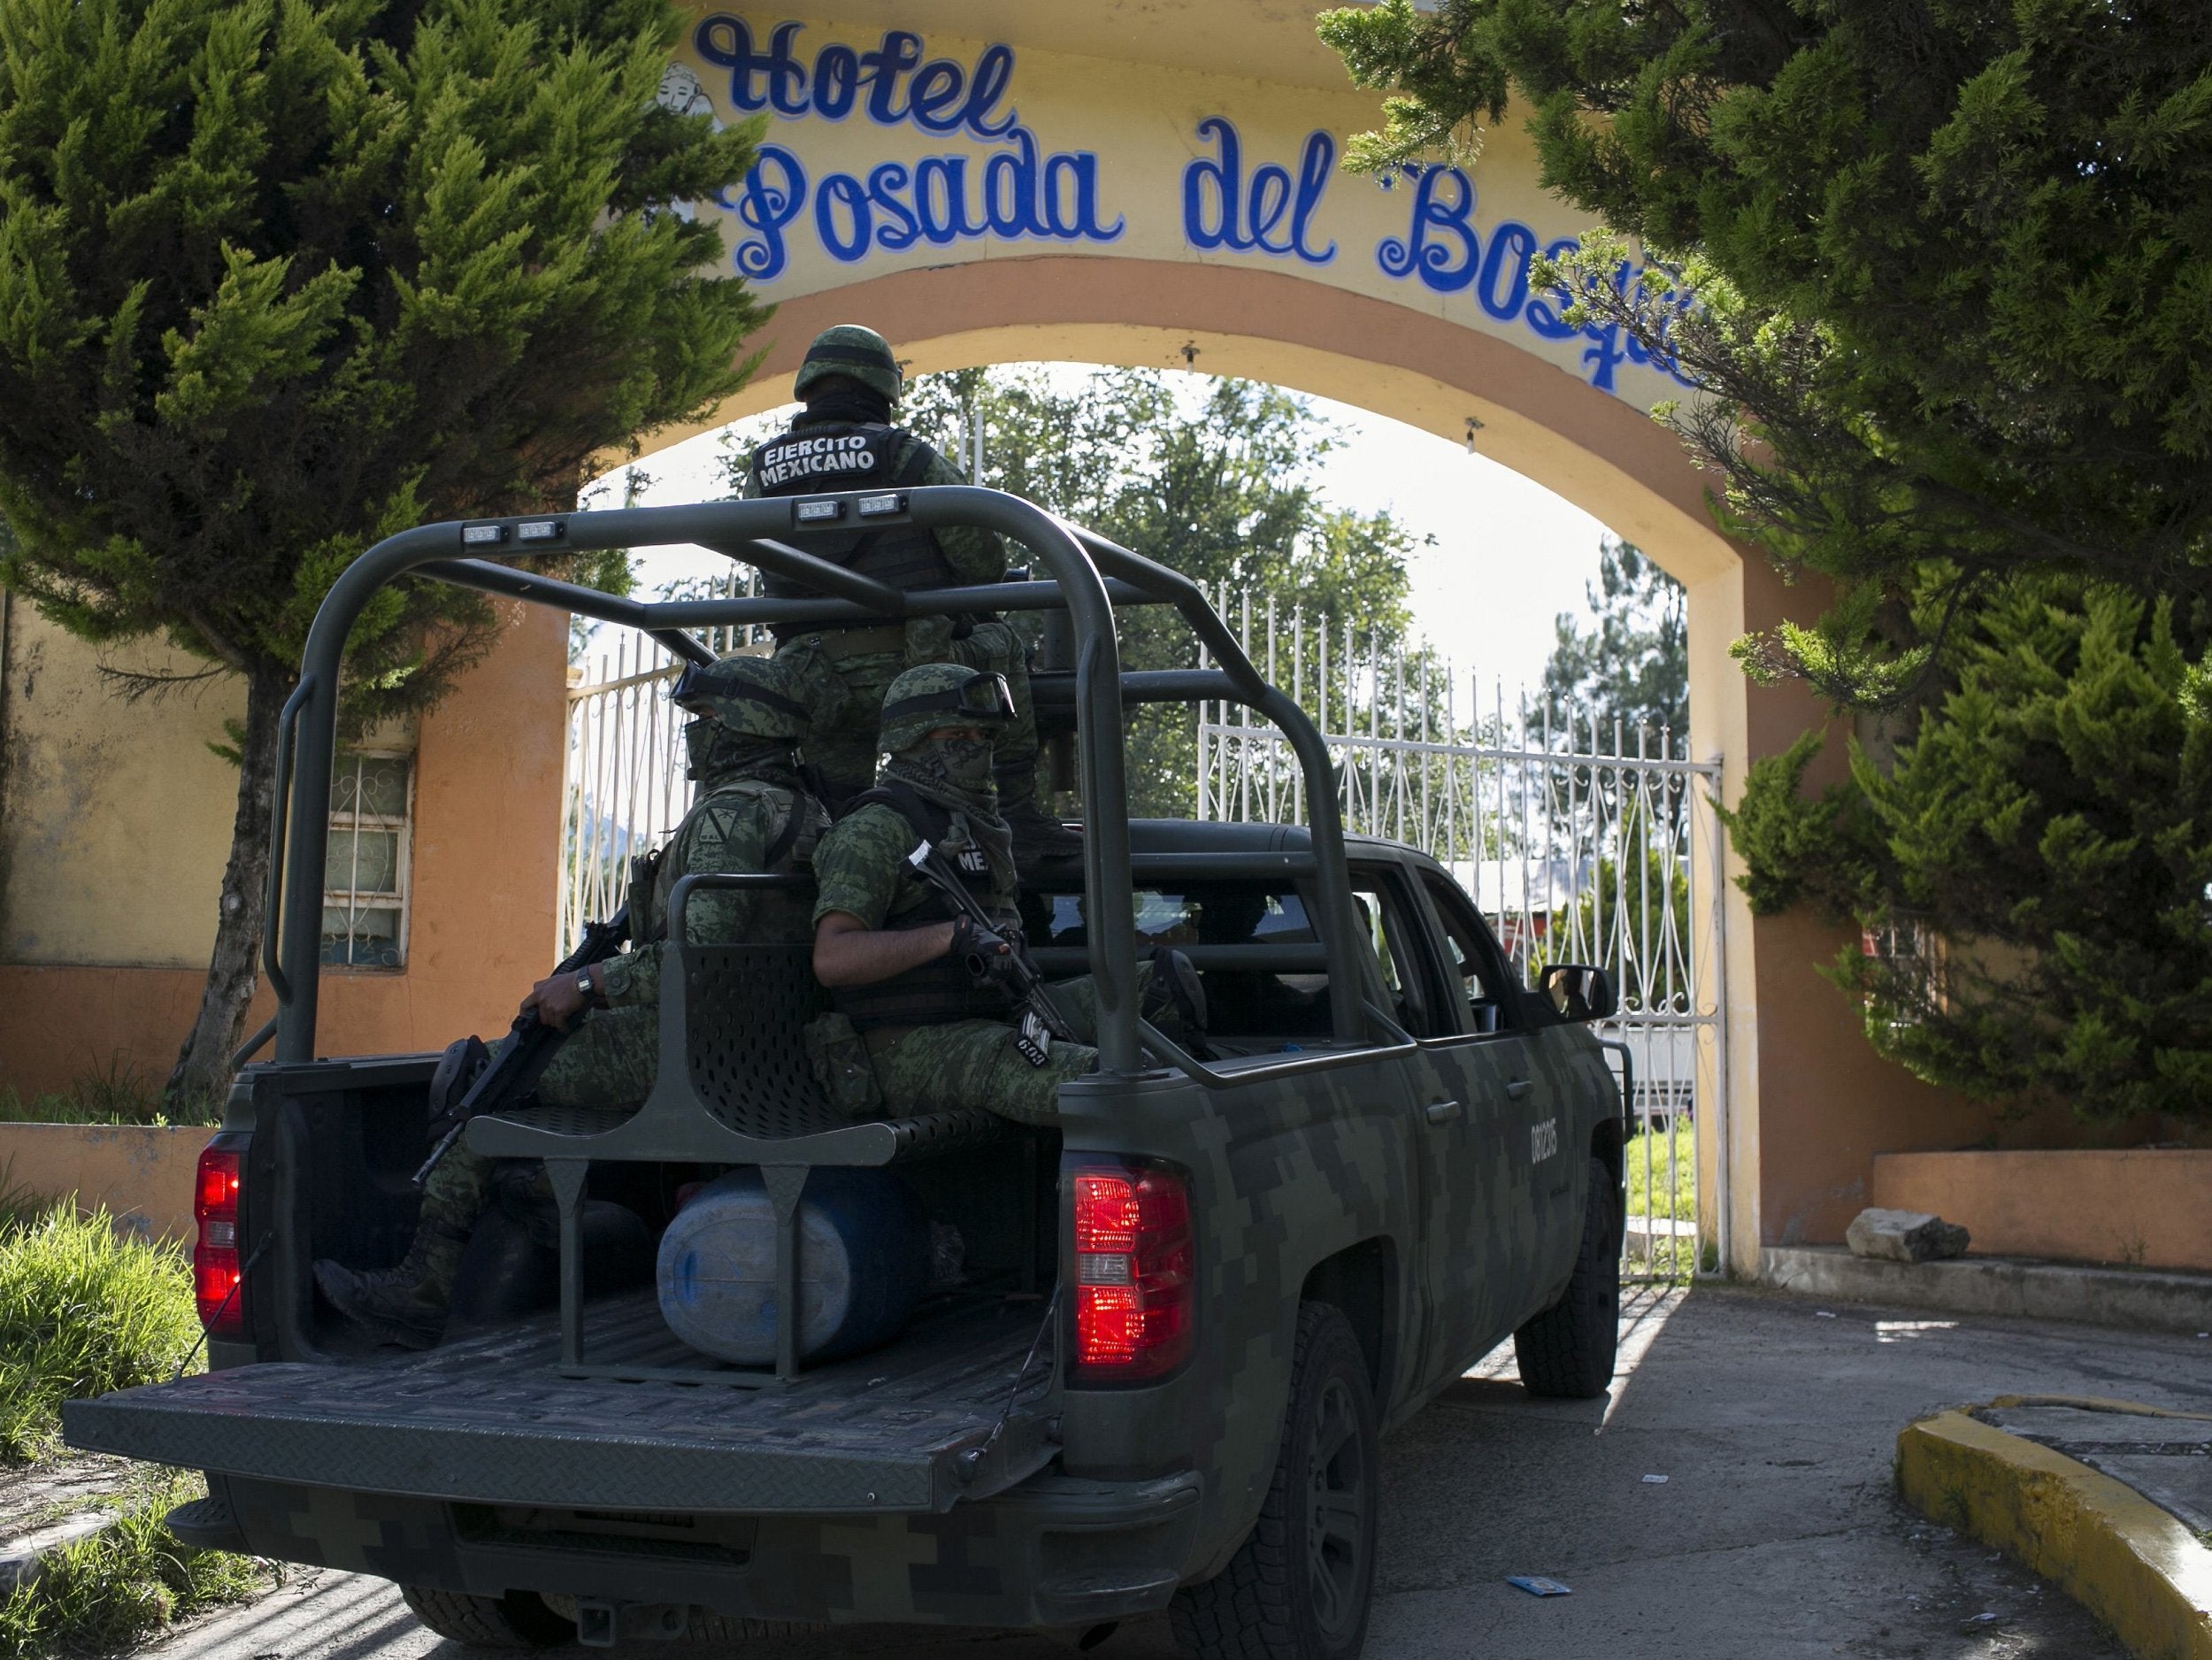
x: 491, y: 1419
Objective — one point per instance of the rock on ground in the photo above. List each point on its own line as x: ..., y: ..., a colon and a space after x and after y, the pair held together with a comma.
x: 1905, y: 1236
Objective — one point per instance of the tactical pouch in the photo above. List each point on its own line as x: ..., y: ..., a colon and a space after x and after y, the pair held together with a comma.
x: 838, y: 1059
x: 645, y: 869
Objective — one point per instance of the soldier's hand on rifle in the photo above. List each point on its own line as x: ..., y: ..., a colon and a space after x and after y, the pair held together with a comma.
x: 558, y: 999
x: 985, y: 953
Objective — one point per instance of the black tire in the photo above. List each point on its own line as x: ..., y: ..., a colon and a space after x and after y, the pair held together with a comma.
x: 1568, y: 1351
x: 1299, y: 1587
x: 519, y: 1619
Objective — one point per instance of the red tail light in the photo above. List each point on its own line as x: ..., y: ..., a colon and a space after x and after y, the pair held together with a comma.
x: 215, y: 1287
x: 1134, y: 1294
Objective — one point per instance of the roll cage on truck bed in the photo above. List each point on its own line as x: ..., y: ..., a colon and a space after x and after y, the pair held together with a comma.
x: 1315, y: 1236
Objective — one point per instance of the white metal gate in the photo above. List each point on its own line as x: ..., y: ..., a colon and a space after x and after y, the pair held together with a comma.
x: 623, y: 787
x: 1581, y: 842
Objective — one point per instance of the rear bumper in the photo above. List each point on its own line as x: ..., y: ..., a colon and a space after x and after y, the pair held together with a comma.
x: 1052, y: 1551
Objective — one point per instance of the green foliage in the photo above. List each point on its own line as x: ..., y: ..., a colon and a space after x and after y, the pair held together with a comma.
x: 1786, y: 840
x: 1632, y: 663
x: 83, y: 1310
x: 1662, y: 1166
x: 2047, y: 833
x: 276, y: 282
x: 1952, y: 265
x: 19, y: 1205
x: 126, y: 1583
x: 1215, y: 482
x: 114, y: 1091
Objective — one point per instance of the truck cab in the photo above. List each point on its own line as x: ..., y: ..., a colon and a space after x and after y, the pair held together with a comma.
x: 1182, y: 1314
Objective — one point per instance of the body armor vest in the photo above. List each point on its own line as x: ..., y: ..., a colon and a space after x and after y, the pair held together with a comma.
x: 787, y: 855
x: 937, y: 991
x: 836, y: 456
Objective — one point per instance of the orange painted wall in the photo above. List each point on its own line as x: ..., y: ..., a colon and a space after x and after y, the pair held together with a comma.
x: 481, y: 914
x: 1827, y: 1103
x: 140, y: 1172
x: 2146, y: 1208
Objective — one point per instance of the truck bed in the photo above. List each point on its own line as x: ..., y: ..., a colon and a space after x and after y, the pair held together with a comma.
x: 492, y: 1419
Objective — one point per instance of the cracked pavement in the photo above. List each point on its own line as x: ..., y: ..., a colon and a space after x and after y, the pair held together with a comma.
x: 1776, y: 1535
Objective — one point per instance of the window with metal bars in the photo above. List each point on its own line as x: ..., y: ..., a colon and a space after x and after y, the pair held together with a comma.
x: 365, y: 868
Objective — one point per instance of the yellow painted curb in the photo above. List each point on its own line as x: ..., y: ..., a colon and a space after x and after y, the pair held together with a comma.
x: 2113, y: 1551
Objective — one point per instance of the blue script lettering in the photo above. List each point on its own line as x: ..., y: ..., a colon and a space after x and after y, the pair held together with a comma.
x: 1445, y: 250
x: 890, y: 80
x: 775, y: 191
x: 1221, y: 210
x: 1018, y: 192
x: 1441, y: 248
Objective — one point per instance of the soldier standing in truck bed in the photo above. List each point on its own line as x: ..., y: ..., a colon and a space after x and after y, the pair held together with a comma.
x: 913, y: 1031
x: 752, y: 815
x: 843, y: 440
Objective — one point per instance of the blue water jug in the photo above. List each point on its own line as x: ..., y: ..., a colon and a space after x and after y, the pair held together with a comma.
x: 864, y: 1263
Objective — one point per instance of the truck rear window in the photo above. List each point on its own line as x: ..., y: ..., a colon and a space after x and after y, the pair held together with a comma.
x: 1254, y: 945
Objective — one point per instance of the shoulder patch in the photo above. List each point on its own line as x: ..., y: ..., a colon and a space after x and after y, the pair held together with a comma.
x: 719, y: 822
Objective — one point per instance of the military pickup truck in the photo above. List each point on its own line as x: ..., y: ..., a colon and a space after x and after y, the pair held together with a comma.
x: 1182, y: 1317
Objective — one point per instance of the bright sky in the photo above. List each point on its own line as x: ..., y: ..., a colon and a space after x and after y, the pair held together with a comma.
x: 1509, y: 556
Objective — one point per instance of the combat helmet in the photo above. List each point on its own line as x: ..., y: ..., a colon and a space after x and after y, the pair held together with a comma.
x: 937, y: 695
x: 756, y: 697
x: 852, y: 349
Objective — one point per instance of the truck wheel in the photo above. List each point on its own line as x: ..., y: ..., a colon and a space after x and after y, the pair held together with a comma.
x: 1299, y: 1586
x: 1568, y: 1349
x: 519, y: 1619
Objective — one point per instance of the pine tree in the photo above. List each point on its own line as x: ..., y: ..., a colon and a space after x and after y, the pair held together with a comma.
x: 1632, y: 665
x: 280, y: 277
x: 2030, y: 868
x: 1952, y: 268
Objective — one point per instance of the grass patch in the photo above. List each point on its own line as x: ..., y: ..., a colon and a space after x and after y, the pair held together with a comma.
x: 19, y: 1205
x: 83, y: 1310
x: 110, y: 1591
x: 1661, y: 1168
x: 117, y: 1093
x: 1667, y: 1186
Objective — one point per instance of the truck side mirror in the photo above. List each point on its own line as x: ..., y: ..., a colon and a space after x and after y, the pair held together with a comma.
x: 1578, y: 992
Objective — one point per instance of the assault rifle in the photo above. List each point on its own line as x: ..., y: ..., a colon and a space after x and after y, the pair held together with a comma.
x: 1040, y: 1020
x: 531, y: 1044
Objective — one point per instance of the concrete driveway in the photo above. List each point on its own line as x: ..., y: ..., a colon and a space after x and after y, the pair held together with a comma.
x: 1774, y: 1535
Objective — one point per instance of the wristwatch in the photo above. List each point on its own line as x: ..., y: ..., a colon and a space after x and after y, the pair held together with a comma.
x: 584, y: 984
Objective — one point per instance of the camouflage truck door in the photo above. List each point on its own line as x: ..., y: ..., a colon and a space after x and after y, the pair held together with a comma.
x: 1457, y: 1094
x: 1511, y: 1148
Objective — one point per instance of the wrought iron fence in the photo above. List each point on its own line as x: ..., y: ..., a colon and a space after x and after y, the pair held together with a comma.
x: 623, y: 786
x: 1580, y: 841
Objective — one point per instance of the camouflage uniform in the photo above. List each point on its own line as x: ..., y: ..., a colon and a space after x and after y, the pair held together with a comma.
x: 860, y: 663
x: 752, y: 814
x: 965, y: 1057
x: 613, y: 1057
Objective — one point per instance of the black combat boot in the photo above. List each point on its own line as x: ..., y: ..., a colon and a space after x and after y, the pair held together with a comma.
x: 405, y: 1304
x: 1038, y: 835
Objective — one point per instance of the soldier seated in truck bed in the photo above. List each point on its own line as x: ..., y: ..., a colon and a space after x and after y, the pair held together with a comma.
x: 915, y: 1029
x: 752, y: 814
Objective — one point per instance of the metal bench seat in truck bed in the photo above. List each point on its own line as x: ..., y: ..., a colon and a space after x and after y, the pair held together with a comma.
x: 492, y: 1420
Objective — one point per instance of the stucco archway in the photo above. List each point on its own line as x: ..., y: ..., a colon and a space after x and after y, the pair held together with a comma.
x: 1154, y: 182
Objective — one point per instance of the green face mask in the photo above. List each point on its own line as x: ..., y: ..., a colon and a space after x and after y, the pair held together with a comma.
x: 963, y: 763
